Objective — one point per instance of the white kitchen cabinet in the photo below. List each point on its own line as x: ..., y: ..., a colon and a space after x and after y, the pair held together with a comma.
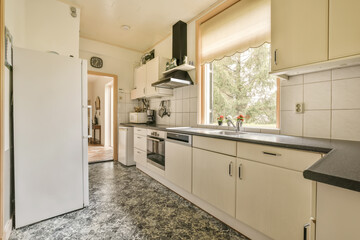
x: 146, y: 75
x: 139, y: 82
x: 273, y: 200
x: 178, y: 164
x: 299, y: 33
x: 338, y: 213
x: 214, y: 179
x: 344, y: 33
x: 140, y: 157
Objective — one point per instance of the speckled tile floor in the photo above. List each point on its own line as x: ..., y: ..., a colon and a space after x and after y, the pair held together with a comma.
x: 127, y: 204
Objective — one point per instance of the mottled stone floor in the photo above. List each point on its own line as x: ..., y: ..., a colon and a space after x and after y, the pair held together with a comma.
x: 127, y: 204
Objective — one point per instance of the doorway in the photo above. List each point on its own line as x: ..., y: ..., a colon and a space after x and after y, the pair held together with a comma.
x: 102, y: 117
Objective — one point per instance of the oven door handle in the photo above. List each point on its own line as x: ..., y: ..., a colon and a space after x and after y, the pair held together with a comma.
x: 155, y: 139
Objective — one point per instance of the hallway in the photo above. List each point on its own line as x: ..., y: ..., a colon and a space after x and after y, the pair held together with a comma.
x: 127, y: 204
x: 98, y: 153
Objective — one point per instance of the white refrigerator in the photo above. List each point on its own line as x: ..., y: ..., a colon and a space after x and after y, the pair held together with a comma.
x: 50, y: 135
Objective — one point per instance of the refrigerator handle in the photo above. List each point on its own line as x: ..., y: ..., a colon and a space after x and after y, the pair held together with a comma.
x: 90, y: 122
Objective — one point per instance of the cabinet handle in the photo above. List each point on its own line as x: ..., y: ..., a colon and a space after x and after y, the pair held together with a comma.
x: 272, y: 154
x: 139, y: 137
x: 275, y: 57
x: 306, y: 226
x: 230, y: 169
x: 144, y: 90
x: 240, y: 167
x: 138, y: 152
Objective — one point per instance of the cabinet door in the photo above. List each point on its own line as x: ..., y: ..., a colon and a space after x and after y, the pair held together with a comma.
x: 140, y: 81
x: 273, y: 200
x: 178, y: 164
x: 152, y: 75
x: 344, y: 32
x: 214, y: 179
x: 299, y: 32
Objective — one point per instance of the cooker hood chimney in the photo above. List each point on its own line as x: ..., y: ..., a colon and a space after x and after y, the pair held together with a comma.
x: 177, y: 78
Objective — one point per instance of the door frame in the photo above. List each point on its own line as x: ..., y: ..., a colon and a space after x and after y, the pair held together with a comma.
x: 115, y: 107
x: 2, y: 67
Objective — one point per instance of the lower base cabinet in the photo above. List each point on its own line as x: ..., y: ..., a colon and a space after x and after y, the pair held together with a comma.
x: 338, y: 213
x: 178, y: 164
x: 214, y: 179
x: 273, y: 200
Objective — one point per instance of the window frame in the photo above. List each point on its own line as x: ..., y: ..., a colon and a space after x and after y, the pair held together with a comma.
x: 200, y: 69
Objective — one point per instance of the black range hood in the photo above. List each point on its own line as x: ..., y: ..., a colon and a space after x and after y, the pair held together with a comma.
x: 174, y: 80
x: 177, y: 78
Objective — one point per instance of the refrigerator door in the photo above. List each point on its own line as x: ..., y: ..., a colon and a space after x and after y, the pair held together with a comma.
x: 50, y: 174
x: 126, y: 146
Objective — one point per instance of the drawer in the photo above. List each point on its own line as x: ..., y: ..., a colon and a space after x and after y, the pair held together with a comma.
x: 215, y: 145
x: 140, y: 156
x: 282, y: 157
x: 140, y: 131
x: 140, y: 142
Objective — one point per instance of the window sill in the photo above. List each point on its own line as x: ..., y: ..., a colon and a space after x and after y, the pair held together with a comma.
x: 245, y: 129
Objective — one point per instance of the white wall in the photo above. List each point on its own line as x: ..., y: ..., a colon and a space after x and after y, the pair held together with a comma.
x: 118, y: 61
x: 44, y: 25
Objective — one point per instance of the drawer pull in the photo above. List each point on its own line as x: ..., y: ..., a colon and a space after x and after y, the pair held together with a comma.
x: 230, y: 169
x: 139, y: 137
x: 272, y: 154
x: 138, y: 152
x: 240, y: 167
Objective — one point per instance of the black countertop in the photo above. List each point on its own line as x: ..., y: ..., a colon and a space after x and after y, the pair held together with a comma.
x: 340, y: 165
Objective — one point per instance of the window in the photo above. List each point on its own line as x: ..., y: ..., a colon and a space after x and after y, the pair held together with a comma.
x: 240, y: 84
x: 233, y: 64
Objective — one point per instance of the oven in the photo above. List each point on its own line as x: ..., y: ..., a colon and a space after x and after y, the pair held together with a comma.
x: 156, y: 148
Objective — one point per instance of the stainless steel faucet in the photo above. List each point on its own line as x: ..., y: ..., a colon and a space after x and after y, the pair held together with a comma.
x: 238, y: 123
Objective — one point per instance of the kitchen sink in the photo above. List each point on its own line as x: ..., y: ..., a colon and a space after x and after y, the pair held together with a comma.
x: 230, y: 133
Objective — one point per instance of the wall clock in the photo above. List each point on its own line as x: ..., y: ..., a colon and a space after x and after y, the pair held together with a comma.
x: 96, y: 62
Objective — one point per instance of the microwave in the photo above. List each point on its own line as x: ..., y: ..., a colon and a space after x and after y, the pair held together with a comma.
x: 138, y: 117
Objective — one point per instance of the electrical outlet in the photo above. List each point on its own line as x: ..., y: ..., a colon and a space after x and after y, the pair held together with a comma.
x: 299, y: 107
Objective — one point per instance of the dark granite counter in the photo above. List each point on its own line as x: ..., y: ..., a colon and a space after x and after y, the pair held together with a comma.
x: 340, y: 165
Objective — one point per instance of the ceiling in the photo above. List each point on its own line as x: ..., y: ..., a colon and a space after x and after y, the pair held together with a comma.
x: 150, y: 20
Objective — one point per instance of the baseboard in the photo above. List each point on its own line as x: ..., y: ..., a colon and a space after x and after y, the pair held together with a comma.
x: 220, y: 215
x: 7, y: 230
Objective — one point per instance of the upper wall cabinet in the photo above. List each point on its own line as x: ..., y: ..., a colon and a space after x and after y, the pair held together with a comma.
x: 146, y: 75
x: 299, y: 32
x: 344, y: 31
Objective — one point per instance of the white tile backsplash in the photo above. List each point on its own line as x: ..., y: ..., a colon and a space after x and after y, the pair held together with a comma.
x: 324, y: 100
x: 317, y: 124
x: 290, y: 95
x: 186, y: 105
x: 185, y: 92
x: 346, y: 94
x: 186, y: 119
x: 345, y: 125
x: 317, y: 95
x: 179, y: 106
x: 179, y: 119
x: 178, y: 92
x: 193, y: 91
x: 193, y: 105
x: 291, y: 123
x: 332, y: 105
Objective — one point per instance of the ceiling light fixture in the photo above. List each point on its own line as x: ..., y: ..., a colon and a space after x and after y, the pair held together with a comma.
x: 125, y: 27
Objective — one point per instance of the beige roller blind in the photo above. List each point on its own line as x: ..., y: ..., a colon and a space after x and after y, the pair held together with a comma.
x: 244, y: 25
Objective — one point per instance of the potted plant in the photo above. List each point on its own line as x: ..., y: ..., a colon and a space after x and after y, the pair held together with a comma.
x: 240, y: 118
x: 220, y: 120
